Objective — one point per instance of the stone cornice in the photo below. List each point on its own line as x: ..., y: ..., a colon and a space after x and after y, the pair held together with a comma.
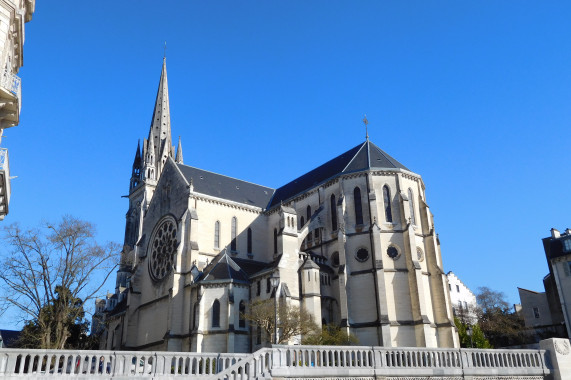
x: 226, y: 203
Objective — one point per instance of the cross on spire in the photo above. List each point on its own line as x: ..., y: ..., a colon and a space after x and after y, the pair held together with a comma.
x: 366, y: 122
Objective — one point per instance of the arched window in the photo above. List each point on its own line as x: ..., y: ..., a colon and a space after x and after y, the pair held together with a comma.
x: 249, y: 240
x: 358, y: 208
x: 258, y: 335
x: 217, y: 235
x: 411, y: 204
x: 308, y: 214
x: 333, y: 213
x: 242, y: 317
x: 268, y: 285
x: 302, y: 222
x: 234, y: 228
x: 216, y: 314
x: 387, y: 200
x: 275, y: 241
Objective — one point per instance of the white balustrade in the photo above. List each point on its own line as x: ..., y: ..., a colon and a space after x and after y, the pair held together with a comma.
x: 278, y: 361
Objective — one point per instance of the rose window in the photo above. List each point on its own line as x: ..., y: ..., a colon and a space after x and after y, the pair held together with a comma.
x: 162, y: 249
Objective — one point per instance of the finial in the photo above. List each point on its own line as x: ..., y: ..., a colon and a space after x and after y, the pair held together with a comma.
x: 165, y: 51
x: 366, y: 122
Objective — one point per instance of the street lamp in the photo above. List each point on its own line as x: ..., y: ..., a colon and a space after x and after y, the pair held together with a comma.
x: 275, y: 282
x: 469, y: 332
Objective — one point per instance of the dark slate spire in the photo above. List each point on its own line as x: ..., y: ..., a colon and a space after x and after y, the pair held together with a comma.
x: 137, y: 167
x: 178, y: 158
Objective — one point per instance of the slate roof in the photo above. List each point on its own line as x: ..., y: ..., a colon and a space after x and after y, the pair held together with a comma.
x: 223, y: 268
x: 10, y: 338
x: 364, y: 156
x: 252, y: 267
x: 224, y: 187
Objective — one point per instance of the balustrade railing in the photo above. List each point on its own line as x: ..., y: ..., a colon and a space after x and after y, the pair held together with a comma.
x: 278, y: 361
x: 3, y: 159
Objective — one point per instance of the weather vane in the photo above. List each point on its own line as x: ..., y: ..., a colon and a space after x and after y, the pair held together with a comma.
x: 366, y: 122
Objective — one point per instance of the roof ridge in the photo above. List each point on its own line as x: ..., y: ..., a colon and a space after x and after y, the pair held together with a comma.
x: 352, y: 159
x: 227, y: 176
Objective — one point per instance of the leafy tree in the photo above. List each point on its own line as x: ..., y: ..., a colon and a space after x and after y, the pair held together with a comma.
x: 49, y: 273
x: 73, y: 321
x: 331, y: 335
x: 478, y: 340
x: 501, y: 326
x: 292, y: 321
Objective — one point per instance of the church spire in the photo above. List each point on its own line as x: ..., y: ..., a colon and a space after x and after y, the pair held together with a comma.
x: 137, y: 166
x: 178, y: 158
x: 150, y: 162
x: 160, y: 131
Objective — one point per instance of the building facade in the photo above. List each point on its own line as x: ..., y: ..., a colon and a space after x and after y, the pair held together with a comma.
x: 462, y: 298
x: 353, y: 242
x: 547, y: 314
x: 557, y: 283
x: 13, y: 15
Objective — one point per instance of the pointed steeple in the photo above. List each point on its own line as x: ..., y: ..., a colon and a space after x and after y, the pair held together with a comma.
x: 160, y: 131
x: 150, y: 164
x: 137, y: 166
x: 178, y: 158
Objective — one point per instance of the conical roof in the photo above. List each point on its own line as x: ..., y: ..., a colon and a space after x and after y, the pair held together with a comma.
x: 362, y: 157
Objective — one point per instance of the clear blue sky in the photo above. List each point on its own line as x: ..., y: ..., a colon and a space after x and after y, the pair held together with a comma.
x: 473, y: 96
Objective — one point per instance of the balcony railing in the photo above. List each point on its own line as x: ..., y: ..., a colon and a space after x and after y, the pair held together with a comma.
x: 3, y: 159
x: 4, y: 182
x: 12, y: 83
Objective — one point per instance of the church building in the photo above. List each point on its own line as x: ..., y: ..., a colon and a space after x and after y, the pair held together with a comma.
x: 353, y: 243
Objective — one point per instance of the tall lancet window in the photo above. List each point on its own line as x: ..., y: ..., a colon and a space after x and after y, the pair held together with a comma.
x: 249, y: 240
x: 216, y: 314
x: 387, y: 201
x: 275, y: 240
x: 234, y: 230
x: 358, y: 207
x: 411, y: 204
x: 308, y: 214
x: 217, y: 234
x: 333, y: 213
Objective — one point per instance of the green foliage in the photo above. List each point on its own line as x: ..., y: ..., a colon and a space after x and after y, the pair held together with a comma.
x: 331, y: 335
x: 478, y: 340
x: 63, y: 314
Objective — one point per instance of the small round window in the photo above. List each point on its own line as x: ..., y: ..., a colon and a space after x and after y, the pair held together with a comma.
x: 392, y: 252
x: 362, y: 255
x: 335, y: 259
x: 419, y: 254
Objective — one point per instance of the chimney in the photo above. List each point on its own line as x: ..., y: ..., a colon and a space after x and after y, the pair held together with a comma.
x: 555, y: 233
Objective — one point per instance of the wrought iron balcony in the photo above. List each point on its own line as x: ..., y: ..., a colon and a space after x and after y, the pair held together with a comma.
x: 10, y: 99
x: 4, y: 182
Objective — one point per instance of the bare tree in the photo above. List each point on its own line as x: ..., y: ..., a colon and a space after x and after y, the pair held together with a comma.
x: 292, y: 321
x: 50, y: 273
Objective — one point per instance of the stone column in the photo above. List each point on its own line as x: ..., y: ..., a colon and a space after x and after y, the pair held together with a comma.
x: 559, y: 353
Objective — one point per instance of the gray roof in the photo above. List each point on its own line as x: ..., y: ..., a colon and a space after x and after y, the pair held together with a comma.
x: 364, y: 156
x: 223, y: 268
x: 228, y: 188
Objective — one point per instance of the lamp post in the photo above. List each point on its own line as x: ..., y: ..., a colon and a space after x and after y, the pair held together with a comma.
x: 275, y: 282
x: 469, y: 332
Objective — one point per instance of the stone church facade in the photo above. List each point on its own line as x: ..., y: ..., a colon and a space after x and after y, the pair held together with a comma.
x: 353, y: 242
